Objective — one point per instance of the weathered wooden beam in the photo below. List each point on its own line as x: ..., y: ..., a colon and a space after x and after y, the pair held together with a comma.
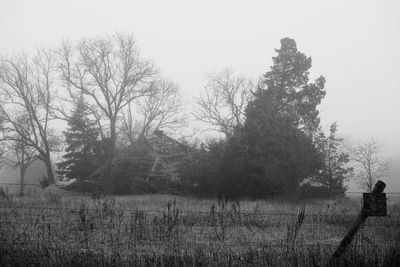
x: 362, y: 216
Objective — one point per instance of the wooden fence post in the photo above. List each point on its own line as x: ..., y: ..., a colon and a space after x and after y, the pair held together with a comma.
x: 362, y: 216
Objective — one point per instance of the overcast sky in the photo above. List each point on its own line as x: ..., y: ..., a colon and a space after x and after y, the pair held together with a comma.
x: 354, y: 44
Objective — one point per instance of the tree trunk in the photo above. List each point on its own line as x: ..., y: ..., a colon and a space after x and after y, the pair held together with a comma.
x: 111, y: 150
x: 23, y: 168
x: 49, y: 169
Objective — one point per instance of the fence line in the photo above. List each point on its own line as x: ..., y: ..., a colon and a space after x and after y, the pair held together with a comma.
x: 185, y: 188
x: 185, y: 243
x: 161, y: 211
x: 170, y: 242
x: 210, y: 225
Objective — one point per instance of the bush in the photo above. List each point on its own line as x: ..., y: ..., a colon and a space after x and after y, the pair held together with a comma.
x: 120, y: 183
x: 140, y: 186
x: 309, y: 191
x: 44, y: 181
x: 200, y: 174
x: 52, y: 196
x: 85, y: 186
x: 3, y: 194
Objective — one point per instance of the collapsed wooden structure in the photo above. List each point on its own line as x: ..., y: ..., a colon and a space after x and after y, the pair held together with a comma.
x: 155, y: 158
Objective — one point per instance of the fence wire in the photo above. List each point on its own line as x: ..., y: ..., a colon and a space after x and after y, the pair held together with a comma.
x: 105, y: 225
x: 181, y: 187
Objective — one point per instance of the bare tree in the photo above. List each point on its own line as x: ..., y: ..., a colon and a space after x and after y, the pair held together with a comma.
x: 19, y: 154
x: 111, y: 74
x: 24, y: 157
x: 3, y: 149
x: 370, y: 163
x: 26, y: 94
x: 224, y: 101
x: 160, y: 110
x: 3, y: 154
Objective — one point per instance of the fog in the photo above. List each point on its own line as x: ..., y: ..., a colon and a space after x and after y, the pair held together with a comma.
x: 353, y: 44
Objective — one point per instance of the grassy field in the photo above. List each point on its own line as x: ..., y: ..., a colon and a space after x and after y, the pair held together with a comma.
x: 165, y: 230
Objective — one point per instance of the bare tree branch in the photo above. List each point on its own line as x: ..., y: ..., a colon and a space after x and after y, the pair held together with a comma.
x: 160, y: 110
x: 224, y: 101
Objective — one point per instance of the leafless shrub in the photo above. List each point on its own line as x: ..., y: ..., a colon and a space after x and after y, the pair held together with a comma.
x: 52, y: 196
x: 3, y: 194
x: 167, y: 224
x: 218, y: 219
x: 292, y: 231
x: 371, y: 166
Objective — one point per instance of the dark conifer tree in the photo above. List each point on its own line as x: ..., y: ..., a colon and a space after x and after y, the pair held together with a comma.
x: 83, y: 149
x: 275, y: 148
x: 335, y: 170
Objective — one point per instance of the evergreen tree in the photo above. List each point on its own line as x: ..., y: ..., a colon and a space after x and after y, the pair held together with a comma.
x: 288, y: 87
x: 334, y: 171
x: 83, y: 149
x: 281, y: 124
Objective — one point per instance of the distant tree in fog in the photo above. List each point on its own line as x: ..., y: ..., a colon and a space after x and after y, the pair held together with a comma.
x: 3, y: 150
x: 161, y: 109
x: 24, y: 156
x: 19, y: 154
x: 335, y: 168
x: 224, y: 101
x: 369, y: 162
x: 26, y: 95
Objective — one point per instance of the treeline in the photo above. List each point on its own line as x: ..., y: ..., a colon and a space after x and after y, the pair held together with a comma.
x: 273, y: 143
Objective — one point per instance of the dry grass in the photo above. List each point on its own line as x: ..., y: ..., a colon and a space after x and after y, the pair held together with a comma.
x: 184, y: 230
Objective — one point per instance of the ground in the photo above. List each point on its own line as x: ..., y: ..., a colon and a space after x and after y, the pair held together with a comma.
x: 205, y: 230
